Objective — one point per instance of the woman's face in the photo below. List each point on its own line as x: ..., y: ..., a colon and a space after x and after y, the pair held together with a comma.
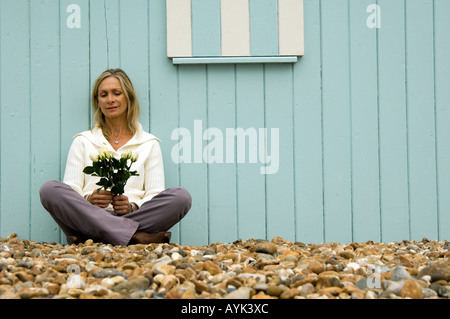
x: 111, y: 98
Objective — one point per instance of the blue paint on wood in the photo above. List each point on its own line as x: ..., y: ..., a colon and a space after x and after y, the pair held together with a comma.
x: 442, y: 74
x: 221, y: 177
x: 364, y: 125
x: 336, y: 121
x: 193, y: 106
x: 421, y: 119
x: 15, y: 119
x: 45, y: 111
x: 394, y: 196
x: 263, y: 27
x: 250, y: 101
x: 308, y: 146
x: 206, y: 31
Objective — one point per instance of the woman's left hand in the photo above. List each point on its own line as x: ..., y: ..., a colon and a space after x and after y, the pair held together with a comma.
x: 121, y: 205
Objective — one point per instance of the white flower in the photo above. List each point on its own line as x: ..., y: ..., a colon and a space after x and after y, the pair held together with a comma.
x: 105, y: 152
x: 126, y: 154
x: 134, y: 157
x: 93, y: 157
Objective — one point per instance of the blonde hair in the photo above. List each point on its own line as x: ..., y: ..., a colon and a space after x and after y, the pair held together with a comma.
x: 133, y: 107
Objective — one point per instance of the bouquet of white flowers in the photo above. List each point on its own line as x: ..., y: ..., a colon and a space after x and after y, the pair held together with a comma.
x: 114, y: 172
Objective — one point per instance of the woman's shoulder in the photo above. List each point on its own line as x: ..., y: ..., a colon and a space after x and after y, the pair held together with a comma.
x: 93, y: 136
x: 142, y: 136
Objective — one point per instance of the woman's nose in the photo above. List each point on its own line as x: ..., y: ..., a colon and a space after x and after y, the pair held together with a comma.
x: 110, y: 98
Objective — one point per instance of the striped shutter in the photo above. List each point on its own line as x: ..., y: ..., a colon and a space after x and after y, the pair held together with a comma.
x: 234, y: 28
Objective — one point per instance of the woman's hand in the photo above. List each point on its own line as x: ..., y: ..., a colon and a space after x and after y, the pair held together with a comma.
x: 121, y: 205
x: 100, y: 199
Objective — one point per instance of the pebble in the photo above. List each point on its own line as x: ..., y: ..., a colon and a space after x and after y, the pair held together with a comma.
x: 108, y: 272
x: 399, y: 273
x: 411, y: 289
x: 244, y: 269
x: 240, y: 293
x: 315, y: 266
x: 394, y: 287
x: 266, y: 247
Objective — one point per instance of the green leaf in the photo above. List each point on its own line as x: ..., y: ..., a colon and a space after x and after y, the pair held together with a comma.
x: 117, y: 190
x: 89, y: 170
x: 116, y: 164
x: 103, y: 182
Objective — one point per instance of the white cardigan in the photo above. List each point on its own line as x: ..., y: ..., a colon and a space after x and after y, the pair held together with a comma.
x: 149, y: 164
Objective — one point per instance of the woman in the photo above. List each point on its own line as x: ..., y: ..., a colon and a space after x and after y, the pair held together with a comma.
x: 146, y: 211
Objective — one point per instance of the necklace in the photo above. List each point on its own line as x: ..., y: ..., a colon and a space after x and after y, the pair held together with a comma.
x: 116, y: 141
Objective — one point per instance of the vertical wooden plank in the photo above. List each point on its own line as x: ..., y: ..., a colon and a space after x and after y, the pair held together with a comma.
x: 263, y: 27
x: 251, y: 209
x: 421, y: 119
x: 442, y: 83
x: 193, y: 173
x: 280, y: 183
x: 393, y: 126
x: 135, y: 51
x: 104, y: 28
x: 308, y: 133
x: 112, y: 11
x: 74, y: 78
x: 206, y: 28
x: 179, y: 29
x: 336, y: 121
x: 290, y: 20
x: 45, y: 112
x: 98, y: 45
x: 221, y: 173
x: 15, y: 119
x: 164, y: 115
x: 75, y: 86
x: 364, y: 122
x: 235, y: 27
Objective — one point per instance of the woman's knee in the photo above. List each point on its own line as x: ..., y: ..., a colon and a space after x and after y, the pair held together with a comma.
x: 183, y: 198
x: 47, y: 188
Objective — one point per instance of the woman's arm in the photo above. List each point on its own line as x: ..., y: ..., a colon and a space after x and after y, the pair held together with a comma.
x: 73, y: 175
x: 154, y: 174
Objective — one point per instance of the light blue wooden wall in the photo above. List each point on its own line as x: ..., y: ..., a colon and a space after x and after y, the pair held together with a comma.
x: 363, y: 118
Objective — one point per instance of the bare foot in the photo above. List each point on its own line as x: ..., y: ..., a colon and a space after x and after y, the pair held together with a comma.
x: 146, y: 238
x: 76, y: 239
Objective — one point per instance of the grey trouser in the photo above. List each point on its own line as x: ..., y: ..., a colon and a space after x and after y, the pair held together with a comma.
x: 76, y: 216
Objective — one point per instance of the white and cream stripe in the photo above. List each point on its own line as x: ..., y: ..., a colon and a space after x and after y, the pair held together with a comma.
x: 234, y: 28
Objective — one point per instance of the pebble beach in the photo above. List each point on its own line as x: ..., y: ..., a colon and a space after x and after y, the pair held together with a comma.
x: 244, y: 269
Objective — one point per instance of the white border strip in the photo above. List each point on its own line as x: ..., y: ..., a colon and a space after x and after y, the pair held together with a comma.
x: 291, y: 27
x: 235, y: 22
x: 179, y: 30
x: 272, y: 59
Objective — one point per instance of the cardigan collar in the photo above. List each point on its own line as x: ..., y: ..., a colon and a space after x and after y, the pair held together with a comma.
x: 95, y: 136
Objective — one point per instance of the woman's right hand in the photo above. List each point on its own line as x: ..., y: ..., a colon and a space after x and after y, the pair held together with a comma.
x: 100, y: 199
